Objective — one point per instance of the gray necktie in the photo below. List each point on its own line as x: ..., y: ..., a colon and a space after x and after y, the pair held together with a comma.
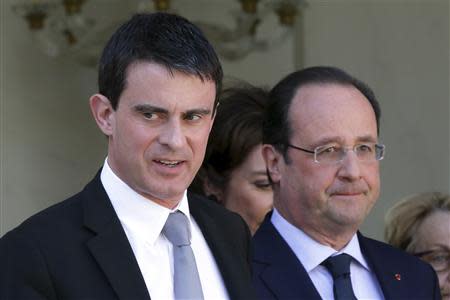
x: 339, y: 267
x: 186, y: 282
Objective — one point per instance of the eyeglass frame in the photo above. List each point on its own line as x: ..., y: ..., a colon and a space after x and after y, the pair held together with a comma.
x: 382, y: 148
x: 427, y: 252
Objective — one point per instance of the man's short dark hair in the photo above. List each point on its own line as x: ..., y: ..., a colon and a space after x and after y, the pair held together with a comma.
x: 277, y: 130
x: 165, y: 39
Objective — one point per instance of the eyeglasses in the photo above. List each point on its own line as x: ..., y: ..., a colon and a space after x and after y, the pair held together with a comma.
x: 438, y: 259
x: 330, y: 154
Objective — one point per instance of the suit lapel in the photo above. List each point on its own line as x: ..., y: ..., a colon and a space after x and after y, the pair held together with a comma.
x: 277, y: 267
x: 109, y: 245
x: 388, y: 275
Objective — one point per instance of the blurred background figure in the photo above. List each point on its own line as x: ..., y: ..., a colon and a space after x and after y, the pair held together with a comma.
x: 420, y: 225
x: 233, y: 172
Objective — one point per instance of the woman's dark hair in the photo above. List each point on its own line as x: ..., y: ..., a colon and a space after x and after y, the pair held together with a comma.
x: 237, y: 130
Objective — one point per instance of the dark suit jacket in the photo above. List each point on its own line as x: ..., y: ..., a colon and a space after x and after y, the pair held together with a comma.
x: 77, y: 249
x: 278, y: 274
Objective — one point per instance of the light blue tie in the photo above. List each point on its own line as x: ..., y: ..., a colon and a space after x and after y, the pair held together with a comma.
x: 186, y: 282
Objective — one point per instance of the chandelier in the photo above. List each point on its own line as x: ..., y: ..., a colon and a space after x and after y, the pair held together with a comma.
x: 70, y: 28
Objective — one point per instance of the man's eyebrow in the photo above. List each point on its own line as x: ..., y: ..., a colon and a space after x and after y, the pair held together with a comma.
x: 149, y: 108
x: 328, y: 140
x: 367, y: 138
x: 146, y: 108
x: 200, y: 111
x: 335, y: 139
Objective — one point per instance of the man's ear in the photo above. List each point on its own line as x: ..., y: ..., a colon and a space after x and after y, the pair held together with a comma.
x: 213, y: 117
x: 103, y: 113
x: 273, y: 159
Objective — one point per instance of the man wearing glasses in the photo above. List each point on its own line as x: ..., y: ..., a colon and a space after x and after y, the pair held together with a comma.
x: 322, y: 153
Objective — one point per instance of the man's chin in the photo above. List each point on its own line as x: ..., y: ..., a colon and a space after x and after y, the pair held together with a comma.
x: 168, y: 197
x: 346, y: 218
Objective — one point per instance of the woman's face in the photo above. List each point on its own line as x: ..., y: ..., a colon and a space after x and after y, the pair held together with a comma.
x: 433, y: 238
x: 248, y: 192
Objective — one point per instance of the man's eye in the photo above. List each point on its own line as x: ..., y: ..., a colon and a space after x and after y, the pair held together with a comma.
x: 193, y: 117
x: 330, y: 149
x: 365, y: 148
x: 150, y: 115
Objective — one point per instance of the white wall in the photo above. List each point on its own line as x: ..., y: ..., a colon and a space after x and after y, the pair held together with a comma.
x: 49, y: 144
x: 401, y: 49
x: 259, y: 68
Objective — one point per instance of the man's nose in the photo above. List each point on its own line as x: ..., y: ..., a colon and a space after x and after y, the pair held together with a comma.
x: 172, y: 134
x: 350, y: 166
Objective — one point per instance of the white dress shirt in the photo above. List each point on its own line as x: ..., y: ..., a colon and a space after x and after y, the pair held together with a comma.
x: 143, y: 221
x: 311, y: 253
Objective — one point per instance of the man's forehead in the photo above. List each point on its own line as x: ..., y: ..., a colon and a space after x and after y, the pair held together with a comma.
x: 147, y: 81
x: 330, y: 108
x: 324, y: 88
x: 166, y: 71
x: 319, y: 97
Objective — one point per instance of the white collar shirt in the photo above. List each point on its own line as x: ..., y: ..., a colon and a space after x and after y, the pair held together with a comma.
x: 143, y: 221
x: 311, y: 254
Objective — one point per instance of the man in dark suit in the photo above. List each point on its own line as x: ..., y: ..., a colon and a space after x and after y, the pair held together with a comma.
x: 158, y: 84
x: 322, y: 153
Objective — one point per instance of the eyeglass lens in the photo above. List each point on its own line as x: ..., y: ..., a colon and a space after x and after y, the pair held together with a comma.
x: 364, y: 152
x: 439, y: 259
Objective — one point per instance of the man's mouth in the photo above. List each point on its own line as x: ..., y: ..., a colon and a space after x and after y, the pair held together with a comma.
x: 169, y: 163
x: 348, y: 193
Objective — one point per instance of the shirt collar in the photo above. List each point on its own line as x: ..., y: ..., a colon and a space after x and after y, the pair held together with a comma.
x: 310, y: 252
x: 354, y: 250
x: 138, y: 215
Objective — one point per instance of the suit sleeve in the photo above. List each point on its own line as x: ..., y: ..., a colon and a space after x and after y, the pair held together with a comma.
x: 24, y: 274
